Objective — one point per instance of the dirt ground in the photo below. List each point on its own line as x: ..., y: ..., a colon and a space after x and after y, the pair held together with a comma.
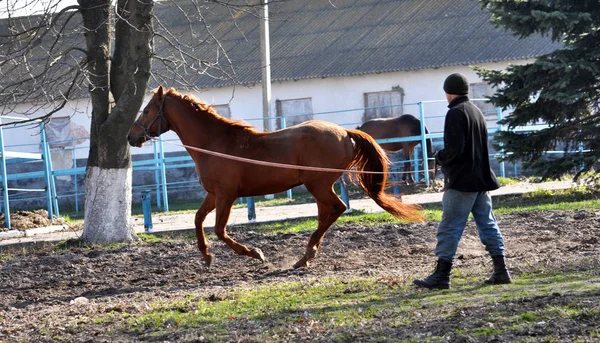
x: 23, y: 220
x: 38, y: 291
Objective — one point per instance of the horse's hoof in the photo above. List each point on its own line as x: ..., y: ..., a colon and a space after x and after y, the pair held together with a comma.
x: 301, y: 264
x: 209, y: 259
x: 257, y: 253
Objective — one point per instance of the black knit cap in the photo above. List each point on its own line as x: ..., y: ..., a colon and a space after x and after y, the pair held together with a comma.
x: 456, y: 83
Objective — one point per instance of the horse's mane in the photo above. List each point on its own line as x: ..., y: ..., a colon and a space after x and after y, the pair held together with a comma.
x: 201, y: 106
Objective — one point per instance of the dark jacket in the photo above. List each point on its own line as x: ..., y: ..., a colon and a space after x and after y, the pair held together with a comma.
x: 464, y: 159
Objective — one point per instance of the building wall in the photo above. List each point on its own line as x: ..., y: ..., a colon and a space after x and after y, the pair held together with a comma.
x: 330, y: 94
x: 347, y: 93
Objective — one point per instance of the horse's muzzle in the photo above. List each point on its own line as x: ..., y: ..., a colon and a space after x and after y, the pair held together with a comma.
x: 136, y: 140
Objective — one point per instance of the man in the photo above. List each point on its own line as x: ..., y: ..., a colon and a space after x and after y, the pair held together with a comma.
x: 468, y: 180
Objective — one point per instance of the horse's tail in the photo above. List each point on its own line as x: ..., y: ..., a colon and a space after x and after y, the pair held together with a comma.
x: 368, y: 156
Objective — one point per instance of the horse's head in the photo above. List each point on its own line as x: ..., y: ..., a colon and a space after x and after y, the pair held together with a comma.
x: 152, y: 122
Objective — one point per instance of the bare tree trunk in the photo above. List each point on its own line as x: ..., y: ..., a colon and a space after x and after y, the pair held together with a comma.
x: 44, y: 65
x: 108, y: 206
x: 117, y: 88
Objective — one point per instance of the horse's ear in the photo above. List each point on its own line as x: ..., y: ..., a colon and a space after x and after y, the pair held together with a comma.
x: 160, y: 91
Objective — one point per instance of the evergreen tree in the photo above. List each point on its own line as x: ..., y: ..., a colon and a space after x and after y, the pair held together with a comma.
x: 561, y: 89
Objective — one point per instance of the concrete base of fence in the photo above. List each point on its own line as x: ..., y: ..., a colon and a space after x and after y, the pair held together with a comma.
x: 31, y: 232
x: 11, y: 234
x: 43, y: 230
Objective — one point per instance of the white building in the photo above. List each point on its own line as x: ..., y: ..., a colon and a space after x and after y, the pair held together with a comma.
x: 331, y: 56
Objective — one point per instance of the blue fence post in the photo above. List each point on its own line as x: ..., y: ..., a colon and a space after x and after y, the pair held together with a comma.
x: 414, y: 162
x: 163, y: 175
x: 147, y: 209
x: 157, y: 175
x: 47, y: 171
x: 283, y: 126
x: 502, y: 172
x: 424, y: 143
x: 251, y: 208
x: 580, y: 151
x: 395, y: 180
x: 52, y: 184
x: 75, y: 182
x: 344, y: 191
x: 4, y: 181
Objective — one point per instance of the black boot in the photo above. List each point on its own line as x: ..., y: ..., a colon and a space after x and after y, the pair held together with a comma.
x: 500, y: 275
x: 440, y: 279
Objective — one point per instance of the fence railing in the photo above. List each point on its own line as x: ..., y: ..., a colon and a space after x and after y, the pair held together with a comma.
x: 7, y: 156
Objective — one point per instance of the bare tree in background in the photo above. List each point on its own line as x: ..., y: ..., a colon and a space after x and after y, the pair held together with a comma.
x: 102, y: 50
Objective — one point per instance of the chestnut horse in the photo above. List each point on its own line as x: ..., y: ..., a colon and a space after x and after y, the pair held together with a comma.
x: 312, y: 143
x: 403, y: 126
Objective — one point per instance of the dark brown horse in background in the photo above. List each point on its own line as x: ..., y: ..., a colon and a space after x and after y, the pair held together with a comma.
x: 313, y: 143
x: 403, y: 126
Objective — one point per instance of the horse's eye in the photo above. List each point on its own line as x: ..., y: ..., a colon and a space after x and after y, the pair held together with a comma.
x: 145, y: 112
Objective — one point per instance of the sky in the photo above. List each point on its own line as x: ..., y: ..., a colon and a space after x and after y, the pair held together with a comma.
x: 20, y: 8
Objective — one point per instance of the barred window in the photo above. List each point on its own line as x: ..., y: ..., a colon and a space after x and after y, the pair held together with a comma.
x: 384, y: 104
x: 223, y: 110
x: 295, y: 111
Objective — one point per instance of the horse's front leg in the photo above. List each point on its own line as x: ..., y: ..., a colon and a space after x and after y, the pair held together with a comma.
x: 207, y: 206
x: 223, y: 210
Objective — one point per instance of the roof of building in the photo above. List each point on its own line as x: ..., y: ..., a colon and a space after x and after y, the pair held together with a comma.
x: 309, y: 39
x: 321, y: 38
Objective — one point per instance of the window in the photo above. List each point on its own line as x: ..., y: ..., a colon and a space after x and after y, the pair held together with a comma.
x: 295, y: 111
x: 222, y: 110
x: 59, y: 135
x: 480, y: 91
x: 6, y: 37
x: 58, y: 132
x: 384, y: 104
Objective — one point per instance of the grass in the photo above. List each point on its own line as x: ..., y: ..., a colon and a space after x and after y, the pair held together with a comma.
x: 337, y: 306
x: 147, y: 238
x: 577, y: 198
x: 300, y: 225
x: 507, y: 181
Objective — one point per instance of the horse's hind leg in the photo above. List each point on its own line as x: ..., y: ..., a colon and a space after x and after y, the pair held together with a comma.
x: 207, y: 206
x: 407, y: 175
x: 330, y: 208
x: 223, y: 211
